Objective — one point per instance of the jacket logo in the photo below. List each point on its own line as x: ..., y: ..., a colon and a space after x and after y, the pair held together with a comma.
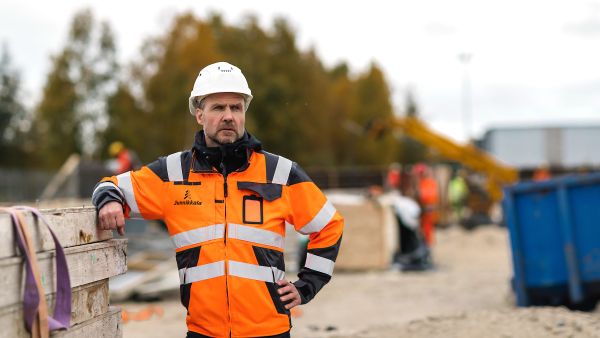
x: 187, y: 200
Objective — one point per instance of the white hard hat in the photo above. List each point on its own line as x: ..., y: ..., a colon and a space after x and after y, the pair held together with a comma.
x: 220, y: 77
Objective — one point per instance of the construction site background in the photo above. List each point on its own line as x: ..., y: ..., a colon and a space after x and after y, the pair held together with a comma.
x: 339, y: 124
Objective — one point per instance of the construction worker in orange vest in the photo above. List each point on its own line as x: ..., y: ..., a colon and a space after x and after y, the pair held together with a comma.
x: 125, y: 159
x: 226, y: 203
x: 428, y: 197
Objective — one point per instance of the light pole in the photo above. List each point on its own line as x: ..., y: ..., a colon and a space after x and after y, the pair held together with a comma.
x: 464, y: 59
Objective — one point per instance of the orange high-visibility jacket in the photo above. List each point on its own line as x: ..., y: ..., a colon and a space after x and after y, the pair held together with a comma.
x: 228, y: 232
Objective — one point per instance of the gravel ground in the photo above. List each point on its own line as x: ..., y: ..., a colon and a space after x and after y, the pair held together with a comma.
x: 466, y: 295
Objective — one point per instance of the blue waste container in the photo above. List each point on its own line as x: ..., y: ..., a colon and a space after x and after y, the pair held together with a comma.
x: 554, y: 229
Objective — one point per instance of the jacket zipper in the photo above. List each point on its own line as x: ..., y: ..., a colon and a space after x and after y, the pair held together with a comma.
x: 225, y: 193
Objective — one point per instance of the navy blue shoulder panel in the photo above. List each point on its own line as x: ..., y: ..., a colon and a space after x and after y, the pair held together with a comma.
x: 297, y: 175
x: 271, y: 164
x: 159, y: 167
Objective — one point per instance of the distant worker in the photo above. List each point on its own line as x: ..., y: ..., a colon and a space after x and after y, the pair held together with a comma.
x: 542, y: 173
x: 394, y: 173
x: 412, y: 253
x: 458, y: 191
x: 226, y: 203
x: 124, y: 159
x: 428, y: 197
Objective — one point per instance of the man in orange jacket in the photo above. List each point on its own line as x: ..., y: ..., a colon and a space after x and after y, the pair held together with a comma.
x: 226, y: 203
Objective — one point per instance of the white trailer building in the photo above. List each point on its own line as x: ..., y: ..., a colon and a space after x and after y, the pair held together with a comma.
x: 565, y: 147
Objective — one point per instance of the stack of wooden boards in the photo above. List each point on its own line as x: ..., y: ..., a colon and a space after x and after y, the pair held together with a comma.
x: 92, y: 256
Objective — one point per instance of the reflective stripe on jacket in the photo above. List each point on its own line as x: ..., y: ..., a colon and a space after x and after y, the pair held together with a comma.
x: 229, y: 235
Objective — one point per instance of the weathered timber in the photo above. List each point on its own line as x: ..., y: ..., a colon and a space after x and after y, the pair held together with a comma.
x: 107, y: 325
x: 72, y: 226
x: 87, y: 264
x: 88, y: 301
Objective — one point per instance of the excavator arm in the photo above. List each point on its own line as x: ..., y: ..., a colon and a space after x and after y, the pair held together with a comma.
x: 497, y: 174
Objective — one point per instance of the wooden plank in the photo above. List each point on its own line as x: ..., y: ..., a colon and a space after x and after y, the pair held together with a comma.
x: 88, y: 301
x: 87, y: 263
x: 107, y: 325
x: 93, y: 300
x: 72, y: 226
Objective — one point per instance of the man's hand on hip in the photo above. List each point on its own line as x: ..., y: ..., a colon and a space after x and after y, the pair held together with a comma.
x: 289, y: 294
x: 111, y: 217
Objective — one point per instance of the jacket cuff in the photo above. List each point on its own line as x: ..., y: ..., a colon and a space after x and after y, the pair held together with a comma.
x: 109, y: 196
x: 305, y: 290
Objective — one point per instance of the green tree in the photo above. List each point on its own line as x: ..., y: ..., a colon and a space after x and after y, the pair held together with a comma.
x: 124, y: 124
x: 292, y: 102
x: 160, y: 85
x: 299, y: 108
x: 345, y: 130
x: 268, y: 61
x: 12, y: 113
x: 372, y: 110
x: 411, y: 151
x: 73, y: 104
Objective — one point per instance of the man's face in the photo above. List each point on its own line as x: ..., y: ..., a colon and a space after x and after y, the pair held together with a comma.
x: 222, y: 117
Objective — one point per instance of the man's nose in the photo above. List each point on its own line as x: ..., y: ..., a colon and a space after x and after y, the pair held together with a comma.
x: 227, y: 114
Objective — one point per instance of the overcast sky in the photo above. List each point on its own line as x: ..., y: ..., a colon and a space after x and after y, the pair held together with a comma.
x: 533, y: 62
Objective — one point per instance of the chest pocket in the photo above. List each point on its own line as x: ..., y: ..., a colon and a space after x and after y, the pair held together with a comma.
x: 253, y: 206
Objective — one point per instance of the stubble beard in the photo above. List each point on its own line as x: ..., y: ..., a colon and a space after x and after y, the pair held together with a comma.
x: 224, y: 141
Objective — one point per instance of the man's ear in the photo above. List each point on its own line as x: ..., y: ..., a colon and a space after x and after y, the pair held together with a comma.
x: 199, y: 116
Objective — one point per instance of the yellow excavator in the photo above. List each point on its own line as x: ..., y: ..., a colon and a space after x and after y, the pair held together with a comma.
x: 496, y: 173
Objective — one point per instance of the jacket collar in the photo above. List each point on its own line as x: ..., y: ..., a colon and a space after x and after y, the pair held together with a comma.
x: 234, y: 156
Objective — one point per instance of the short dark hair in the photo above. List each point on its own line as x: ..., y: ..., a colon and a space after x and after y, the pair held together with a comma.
x: 198, y: 102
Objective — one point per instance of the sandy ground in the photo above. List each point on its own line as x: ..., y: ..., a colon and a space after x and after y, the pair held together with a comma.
x: 466, y: 295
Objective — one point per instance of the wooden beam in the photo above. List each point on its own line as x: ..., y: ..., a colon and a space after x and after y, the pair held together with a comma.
x: 68, y: 169
x: 88, y: 301
x: 87, y: 264
x: 107, y: 325
x: 72, y: 226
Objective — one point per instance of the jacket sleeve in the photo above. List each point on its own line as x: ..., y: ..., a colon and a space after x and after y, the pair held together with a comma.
x: 141, y: 192
x: 312, y: 214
